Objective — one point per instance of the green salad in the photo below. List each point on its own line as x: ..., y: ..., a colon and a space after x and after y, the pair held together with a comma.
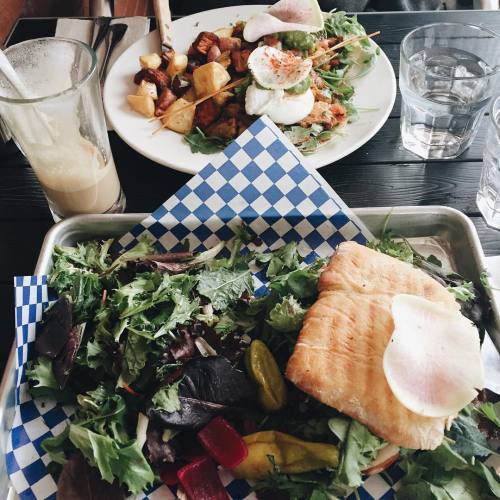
x: 154, y: 349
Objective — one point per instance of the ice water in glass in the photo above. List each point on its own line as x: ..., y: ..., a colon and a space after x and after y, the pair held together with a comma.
x: 448, y: 74
x: 488, y: 196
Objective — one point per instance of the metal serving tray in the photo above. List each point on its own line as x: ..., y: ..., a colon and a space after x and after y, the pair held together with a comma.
x: 443, y: 231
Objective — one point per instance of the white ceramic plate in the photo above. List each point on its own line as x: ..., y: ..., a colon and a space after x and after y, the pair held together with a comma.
x: 375, y: 91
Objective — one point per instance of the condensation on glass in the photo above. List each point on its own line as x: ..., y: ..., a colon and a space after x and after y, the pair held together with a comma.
x: 448, y: 73
x: 488, y: 196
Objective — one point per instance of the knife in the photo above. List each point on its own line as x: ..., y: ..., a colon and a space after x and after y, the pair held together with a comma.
x: 164, y: 22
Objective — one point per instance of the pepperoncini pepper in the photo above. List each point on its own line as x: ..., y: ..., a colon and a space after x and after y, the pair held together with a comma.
x: 268, y: 450
x: 264, y: 371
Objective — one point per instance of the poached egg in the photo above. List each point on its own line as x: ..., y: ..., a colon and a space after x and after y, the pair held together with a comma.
x: 280, y: 106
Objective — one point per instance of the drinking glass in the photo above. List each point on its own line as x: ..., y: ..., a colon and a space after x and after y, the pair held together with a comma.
x: 61, y: 128
x: 447, y: 75
x: 488, y: 196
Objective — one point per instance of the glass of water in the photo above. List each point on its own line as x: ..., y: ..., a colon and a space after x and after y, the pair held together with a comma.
x: 447, y: 76
x: 488, y: 196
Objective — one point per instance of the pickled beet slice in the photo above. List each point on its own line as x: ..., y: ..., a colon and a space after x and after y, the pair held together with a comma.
x: 168, y: 473
x: 200, y: 481
x: 223, y: 443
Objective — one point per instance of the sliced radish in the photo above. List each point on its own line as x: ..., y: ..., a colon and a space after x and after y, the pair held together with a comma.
x: 433, y: 361
x: 285, y: 15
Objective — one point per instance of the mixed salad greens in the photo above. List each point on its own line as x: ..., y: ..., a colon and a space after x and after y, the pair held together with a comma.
x: 159, y: 352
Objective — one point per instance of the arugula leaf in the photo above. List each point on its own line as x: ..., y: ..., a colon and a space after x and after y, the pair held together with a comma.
x: 167, y: 398
x: 95, y: 357
x: 469, y: 441
x: 134, y: 357
x: 491, y: 411
x: 387, y: 244
x: 231, y: 322
x: 287, y: 315
x: 182, y: 312
x: 99, y: 450
x: 141, y: 249
x: 56, y: 446
x: 307, y: 139
x: 463, y: 292
x: 133, y: 469
x: 201, y: 143
x: 443, y: 473
x: 127, y: 463
x: 310, y: 485
x: 103, y: 411
x: 224, y: 287
x: 280, y: 261
x: 41, y: 373
x: 75, y: 273
x: 301, y: 283
x: 359, y: 449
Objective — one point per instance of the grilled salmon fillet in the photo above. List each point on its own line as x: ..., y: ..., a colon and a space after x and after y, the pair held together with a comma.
x: 339, y: 352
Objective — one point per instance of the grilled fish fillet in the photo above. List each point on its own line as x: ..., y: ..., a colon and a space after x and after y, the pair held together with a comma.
x: 339, y: 352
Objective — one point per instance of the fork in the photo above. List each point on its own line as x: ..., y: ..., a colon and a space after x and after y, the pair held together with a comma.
x: 103, y: 24
x: 117, y: 31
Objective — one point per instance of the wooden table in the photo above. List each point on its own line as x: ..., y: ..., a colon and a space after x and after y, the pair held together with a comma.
x: 381, y: 173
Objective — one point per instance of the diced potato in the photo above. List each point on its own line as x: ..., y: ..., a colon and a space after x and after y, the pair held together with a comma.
x: 209, y: 78
x: 224, y: 32
x: 143, y: 104
x: 222, y: 98
x: 178, y: 64
x: 179, y: 121
x: 190, y: 95
x: 147, y: 88
x: 150, y: 61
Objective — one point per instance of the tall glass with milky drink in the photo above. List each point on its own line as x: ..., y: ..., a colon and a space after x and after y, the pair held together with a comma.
x: 61, y: 127
x: 448, y: 73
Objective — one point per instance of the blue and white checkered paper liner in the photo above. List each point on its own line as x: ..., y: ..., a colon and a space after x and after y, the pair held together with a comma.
x: 260, y: 179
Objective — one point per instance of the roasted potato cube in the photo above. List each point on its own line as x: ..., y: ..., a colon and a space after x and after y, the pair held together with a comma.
x: 147, y: 88
x: 224, y: 32
x: 179, y: 116
x: 150, y: 61
x: 177, y: 64
x: 209, y: 78
x: 221, y: 98
x: 143, y: 104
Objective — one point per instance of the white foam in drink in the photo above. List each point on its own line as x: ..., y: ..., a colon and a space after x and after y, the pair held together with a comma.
x: 76, y: 179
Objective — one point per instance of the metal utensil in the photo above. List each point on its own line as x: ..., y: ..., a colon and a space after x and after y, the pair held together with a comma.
x: 164, y: 22
x: 115, y: 34
x: 101, y: 24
